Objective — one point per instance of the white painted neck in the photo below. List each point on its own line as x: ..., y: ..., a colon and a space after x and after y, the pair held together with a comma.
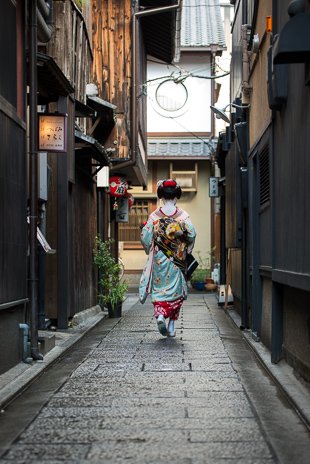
x: 169, y: 206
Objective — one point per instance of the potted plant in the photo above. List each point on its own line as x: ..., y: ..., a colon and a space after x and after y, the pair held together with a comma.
x: 198, y: 278
x: 112, y: 289
x: 201, y: 277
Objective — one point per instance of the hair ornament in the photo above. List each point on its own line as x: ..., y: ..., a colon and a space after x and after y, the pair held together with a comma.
x: 168, y: 189
x: 170, y: 183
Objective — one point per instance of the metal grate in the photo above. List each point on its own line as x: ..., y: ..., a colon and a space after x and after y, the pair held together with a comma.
x: 264, y: 176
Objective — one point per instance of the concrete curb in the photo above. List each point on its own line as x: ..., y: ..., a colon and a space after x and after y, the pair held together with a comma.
x: 17, y: 379
x: 81, y: 318
x: 296, y: 393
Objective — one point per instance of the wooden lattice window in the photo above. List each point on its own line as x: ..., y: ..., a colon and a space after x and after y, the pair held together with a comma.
x: 264, y: 176
x: 139, y: 213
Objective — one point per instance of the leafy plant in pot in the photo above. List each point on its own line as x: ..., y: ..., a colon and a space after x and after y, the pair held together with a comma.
x: 198, y: 278
x: 203, y: 272
x: 112, y: 289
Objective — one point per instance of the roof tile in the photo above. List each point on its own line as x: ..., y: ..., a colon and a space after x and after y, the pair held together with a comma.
x: 179, y: 147
x: 202, y: 24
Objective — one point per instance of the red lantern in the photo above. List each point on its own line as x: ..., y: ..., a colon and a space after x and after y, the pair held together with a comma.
x: 118, y: 186
x: 131, y: 199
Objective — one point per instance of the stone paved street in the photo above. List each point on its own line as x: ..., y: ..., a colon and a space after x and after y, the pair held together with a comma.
x: 128, y: 395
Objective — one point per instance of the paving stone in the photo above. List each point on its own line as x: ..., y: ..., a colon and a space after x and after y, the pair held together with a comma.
x: 133, y: 450
x: 130, y: 434
x: 221, y: 426
x: 224, y: 435
x: 221, y: 410
x: 47, y: 452
x: 108, y: 411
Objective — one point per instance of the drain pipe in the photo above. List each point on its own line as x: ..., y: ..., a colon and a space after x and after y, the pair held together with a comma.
x: 33, y: 178
x: 135, y: 29
x: 246, y: 87
x: 38, y: 12
x: 44, y: 18
x: 25, y: 345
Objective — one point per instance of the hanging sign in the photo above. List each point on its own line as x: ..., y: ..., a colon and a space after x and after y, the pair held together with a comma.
x: 103, y: 177
x: 118, y: 186
x: 52, y: 132
x: 122, y: 213
x: 213, y: 187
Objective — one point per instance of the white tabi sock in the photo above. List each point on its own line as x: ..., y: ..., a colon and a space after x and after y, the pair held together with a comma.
x: 171, y: 331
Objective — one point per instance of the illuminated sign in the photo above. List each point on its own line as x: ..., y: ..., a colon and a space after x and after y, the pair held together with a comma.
x: 52, y: 132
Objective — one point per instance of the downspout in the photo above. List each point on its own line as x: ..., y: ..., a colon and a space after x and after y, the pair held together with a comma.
x: 246, y: 94
x: 44, y: 18
x: 40, y: 28
x: 33, y: 176
x: 246, y: 88
x: 135, y: 28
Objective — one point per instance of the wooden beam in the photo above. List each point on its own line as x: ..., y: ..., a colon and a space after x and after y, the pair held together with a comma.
x: 93, y: 127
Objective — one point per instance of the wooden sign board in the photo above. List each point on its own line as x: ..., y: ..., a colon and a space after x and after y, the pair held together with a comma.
x: 213, y: 187
x: 52, y: 132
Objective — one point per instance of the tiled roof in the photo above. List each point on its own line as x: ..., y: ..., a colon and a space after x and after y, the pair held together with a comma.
x: 174, y: 147
x: 202, y: 24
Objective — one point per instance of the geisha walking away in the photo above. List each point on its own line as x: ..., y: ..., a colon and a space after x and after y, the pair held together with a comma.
x: 167, y: 237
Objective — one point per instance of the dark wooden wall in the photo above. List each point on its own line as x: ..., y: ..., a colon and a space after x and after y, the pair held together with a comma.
x: 292, y: 181
x: 13, y: 210
x: 233, y: 199
x: 83, y: 224
x: 13, y: 194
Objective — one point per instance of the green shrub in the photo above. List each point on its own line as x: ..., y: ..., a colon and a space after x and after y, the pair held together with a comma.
x: 112, y: 289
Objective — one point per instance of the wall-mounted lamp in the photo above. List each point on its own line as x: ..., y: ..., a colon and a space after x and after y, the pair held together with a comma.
x: 220, y: 112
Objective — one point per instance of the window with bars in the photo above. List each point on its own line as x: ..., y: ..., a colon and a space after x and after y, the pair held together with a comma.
x: 264, y: 176
x: 139, y: 213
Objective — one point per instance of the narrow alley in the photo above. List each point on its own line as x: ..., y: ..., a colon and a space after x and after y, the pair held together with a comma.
x: 126, y: 394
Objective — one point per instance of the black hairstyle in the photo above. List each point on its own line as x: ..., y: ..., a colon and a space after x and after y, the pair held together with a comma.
x: 169, y: 189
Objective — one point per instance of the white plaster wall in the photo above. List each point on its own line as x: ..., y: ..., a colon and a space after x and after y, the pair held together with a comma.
x: 223, y: 63
x: 195, y: 116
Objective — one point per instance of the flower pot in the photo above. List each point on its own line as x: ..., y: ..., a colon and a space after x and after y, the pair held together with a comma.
x: 115, y: 311
x: 210, y: 287
x: 198, y: 285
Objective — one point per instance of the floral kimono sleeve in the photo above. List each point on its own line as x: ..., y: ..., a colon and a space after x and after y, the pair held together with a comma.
x: 191, y: 234
x: 147, y: 235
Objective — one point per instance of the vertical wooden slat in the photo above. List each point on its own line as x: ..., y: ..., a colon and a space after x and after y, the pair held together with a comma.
x: 73, y: 45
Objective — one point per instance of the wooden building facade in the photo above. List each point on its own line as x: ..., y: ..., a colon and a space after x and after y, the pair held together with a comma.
x: 72, y: 198
x: 87, y: 61
x: 13, y: 197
